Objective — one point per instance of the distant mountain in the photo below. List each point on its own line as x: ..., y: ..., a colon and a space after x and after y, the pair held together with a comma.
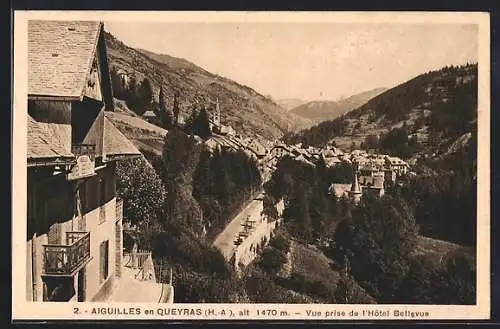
x: 290, y: 103
x: 248, y: 112
x: 432, y: 114
x: 329, y: 110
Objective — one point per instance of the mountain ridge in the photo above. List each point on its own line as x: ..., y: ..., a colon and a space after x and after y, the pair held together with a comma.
x: 319, y: 110
x: 428, y: 115
x: 247, y: 111
x: 290, y: 103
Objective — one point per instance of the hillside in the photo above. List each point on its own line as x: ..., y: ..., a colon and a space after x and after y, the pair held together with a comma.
x: 290, y: 103
x: 433, y: 113
x: 144, y: 135
x: 328, y: 110
x: 248, y: 112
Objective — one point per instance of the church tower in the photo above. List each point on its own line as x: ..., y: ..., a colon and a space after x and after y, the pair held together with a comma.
x: 355, y: 192
x: 217, y: 114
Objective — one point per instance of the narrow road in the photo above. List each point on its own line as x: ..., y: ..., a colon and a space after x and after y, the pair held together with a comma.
x: 225, y: 240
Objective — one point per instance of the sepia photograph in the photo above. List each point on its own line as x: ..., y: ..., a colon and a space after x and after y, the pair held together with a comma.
x: 239, y: 158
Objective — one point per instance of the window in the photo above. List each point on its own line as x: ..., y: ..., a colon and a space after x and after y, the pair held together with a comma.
x: 104, y: 259
x: 101, y: 199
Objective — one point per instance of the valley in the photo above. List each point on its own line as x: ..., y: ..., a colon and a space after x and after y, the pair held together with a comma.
x: 279, y: 233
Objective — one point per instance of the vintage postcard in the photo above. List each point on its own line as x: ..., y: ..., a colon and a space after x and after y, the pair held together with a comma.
x: 251, y: 165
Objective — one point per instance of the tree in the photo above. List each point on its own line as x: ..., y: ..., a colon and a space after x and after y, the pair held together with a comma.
x: 145, y: 93
x: 423, y: 284
x: 272, y: 260
x: 176, y: 109
x: 372, y: 142
x: 116, y: 83
x: 378, y: 241
x: 345, y: 290
x: 269, y: 208
x: 180, y: 157
x: 165, y: 115
x: 342, y: 173
x: 281, y: 241
x: 143, y: 195
x: 201, y: 125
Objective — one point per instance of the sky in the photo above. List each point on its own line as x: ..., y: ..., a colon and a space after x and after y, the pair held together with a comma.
x: 308, y: 60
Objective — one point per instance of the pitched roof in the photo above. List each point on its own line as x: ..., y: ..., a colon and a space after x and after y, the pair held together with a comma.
x: 115, y: 143
x: 44, y: 143
x: 110, y: 142
x: 60, y: 55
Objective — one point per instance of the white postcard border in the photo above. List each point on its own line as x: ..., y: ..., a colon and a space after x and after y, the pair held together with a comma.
x: 24, y: 310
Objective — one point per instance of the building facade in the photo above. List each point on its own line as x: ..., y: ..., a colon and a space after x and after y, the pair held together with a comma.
x: 74, y: 236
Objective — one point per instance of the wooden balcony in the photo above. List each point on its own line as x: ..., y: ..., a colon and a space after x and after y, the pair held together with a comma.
x: 65, y: 260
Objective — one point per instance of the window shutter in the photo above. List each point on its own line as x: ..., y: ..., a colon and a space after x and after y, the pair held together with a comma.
x: 101, y: 261
x: 104, y: 252
x: 106, y: 258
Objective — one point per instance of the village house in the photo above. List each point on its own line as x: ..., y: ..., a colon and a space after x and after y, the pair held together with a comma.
x: 396, y: 165
x: 375, y: 186
x: 74, y: 235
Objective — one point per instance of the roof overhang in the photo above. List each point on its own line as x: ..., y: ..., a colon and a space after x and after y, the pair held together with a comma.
x: 55, y: 98
x: 116, y: 157
x: 46, y: 162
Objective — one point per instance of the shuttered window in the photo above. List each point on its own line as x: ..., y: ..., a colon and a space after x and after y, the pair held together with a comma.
x: 104, y: 260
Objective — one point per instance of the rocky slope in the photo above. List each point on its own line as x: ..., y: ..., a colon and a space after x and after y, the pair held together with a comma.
x: 247, y: 111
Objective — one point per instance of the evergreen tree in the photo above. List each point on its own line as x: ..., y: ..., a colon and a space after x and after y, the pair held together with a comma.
x: 201, y: 125
x: 345, y: 290
x: 116, y: 83
x: 144, y: 96
x: 176, y: 109
x: 165, y: 115
x: 378, y: 241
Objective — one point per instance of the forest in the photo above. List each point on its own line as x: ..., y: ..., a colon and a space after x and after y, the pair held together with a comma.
x: 180, y: 201
x: 374, y: 243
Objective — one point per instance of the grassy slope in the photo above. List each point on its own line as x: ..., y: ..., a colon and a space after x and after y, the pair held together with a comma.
x: 315, y: 266
x: 143, y: 134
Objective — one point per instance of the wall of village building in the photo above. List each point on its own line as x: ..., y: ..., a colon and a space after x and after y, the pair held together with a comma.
x: 53, y: 210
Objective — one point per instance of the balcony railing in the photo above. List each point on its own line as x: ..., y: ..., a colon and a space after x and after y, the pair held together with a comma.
x: 66, y: 259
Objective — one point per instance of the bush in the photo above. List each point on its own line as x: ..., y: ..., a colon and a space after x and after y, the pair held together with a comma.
x: 281, y: 241
x: 272, y: 260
